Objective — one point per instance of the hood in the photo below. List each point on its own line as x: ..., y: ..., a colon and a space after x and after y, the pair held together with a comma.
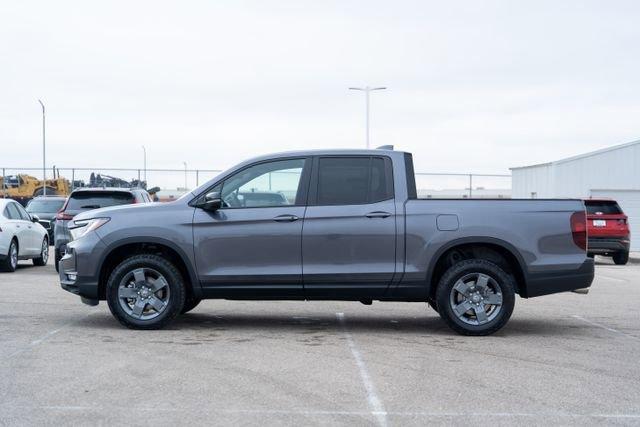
x: 136, y: 208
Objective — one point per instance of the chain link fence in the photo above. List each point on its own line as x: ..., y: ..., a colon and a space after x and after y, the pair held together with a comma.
x: 174, y: 182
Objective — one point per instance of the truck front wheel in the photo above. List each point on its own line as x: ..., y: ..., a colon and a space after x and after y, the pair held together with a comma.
x: 475, y: 297
x: 145, y: 292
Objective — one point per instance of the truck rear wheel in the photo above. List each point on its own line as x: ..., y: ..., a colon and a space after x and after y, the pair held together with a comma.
x: 475, y: 297
x: 145, y: 292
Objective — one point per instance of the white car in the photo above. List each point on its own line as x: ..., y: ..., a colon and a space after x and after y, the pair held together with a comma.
x: 21, y: 237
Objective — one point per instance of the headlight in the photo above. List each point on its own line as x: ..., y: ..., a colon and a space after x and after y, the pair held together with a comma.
x: 84, y: 226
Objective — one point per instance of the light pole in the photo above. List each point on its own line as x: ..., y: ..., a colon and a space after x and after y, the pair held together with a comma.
x: 144, y: 150
x: 366, y: 91
x: 44, y: 155
x: 185, y: 175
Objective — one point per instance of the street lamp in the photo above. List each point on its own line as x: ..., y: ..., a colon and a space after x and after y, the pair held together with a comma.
x: 366, y: 91
x: 144, y: 150
x: 185, y: 175
x: 44, y: 155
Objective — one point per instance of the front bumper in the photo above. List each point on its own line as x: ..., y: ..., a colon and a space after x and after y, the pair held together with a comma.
x: 79, y: 267
x: 603, y: 245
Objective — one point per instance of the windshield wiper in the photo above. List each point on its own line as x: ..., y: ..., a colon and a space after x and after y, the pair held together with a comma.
x: 90, y: 207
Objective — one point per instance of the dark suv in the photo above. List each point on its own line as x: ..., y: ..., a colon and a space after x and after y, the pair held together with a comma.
x: 86, y: 199
x: 45, y: 208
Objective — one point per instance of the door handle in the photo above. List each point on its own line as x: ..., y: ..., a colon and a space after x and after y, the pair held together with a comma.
x: 285, y: 218
x: 378, y: 214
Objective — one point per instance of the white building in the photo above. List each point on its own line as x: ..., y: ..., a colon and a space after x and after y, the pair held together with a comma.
x: 612, y: 172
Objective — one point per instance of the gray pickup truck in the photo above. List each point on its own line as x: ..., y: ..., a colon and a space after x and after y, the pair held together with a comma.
x: 326, y: 225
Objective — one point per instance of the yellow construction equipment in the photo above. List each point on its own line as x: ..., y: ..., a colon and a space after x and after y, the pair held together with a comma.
x: 24, y: 187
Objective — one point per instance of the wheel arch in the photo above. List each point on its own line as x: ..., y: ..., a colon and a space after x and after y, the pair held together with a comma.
x: 481, y: 247
x: 118, y: 251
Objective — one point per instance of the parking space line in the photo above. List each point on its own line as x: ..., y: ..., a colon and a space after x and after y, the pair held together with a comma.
x: 443, y: 414
x: 599, y: 325
x: 41, y: 339
x: 375, y: 404
x: 615, y: 279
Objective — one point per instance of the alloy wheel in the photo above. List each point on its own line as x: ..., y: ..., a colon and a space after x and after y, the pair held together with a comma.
x: 44, y: 252
x: 143, y: 293
x: 476, y: 299
x: 13, y: 255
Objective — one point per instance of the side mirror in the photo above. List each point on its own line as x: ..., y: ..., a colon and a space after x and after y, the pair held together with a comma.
x: 212, y: 202
x: 35, y: 218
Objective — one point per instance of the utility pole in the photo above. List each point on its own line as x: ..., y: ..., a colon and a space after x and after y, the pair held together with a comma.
x: 185, y: 175
x: 366, y: 91
x: 144, y: 150
x: 44, y: 154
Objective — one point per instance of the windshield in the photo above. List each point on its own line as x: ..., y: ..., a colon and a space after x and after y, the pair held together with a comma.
x: 87, y: 200
x: 45, y: 206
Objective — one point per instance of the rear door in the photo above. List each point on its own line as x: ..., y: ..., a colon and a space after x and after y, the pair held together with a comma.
x: 349, y: 233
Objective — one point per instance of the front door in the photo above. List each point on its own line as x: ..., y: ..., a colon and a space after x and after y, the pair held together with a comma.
x: 251, y: 246
x: 349, y: 236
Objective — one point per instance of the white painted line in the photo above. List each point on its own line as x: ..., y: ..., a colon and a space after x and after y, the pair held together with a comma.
x: 615, y: 279
x: 41, y: 339
x: 115, y: 409
x: 375, y: 404
x: 599, y: 325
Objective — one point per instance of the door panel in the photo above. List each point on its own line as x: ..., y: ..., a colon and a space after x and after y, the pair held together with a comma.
x: 346, y: 247
x: 21, y: 230
x: 249, y: 247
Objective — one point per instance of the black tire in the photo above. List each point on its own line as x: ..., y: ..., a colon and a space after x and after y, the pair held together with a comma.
x: 10, y: 264
x: 621, y: 258
x: 591, y: 256
x: 57, y: 258
x: 175, y: 285
x: 499, y: 279
x: 41, y: 261
x: 190, y: 304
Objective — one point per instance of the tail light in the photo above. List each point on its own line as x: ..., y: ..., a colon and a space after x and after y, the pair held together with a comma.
x: 579, y: 229
x: 622, y: 221
x: 63, y: 216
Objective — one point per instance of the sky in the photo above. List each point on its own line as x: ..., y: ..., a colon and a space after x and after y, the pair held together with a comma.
x: 473, y: 86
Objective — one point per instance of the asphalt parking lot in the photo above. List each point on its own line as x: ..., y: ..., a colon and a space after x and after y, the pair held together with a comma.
x: 562, y: 359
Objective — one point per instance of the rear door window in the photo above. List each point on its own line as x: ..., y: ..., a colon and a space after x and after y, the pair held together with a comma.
x: 602, y: 207
x: 87, y: 200
x: 353, y: 180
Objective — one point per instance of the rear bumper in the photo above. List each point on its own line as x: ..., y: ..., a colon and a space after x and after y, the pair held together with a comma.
x: 545, y: 283
x: 602, y: 245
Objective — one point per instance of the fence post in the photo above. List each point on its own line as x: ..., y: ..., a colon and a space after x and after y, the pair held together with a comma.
x: 4, y: 184
x: 73, y: 179
x: 197, y: 177
x: 470, y: 186
x: 139, y: 186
